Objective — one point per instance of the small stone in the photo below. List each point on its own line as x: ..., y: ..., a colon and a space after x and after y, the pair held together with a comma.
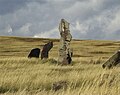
x: 59, y: 85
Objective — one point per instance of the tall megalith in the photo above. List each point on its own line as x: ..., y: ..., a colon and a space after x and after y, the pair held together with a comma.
x: 64, y: 49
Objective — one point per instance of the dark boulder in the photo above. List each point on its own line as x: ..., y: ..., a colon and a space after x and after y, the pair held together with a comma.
x: 34, y: 53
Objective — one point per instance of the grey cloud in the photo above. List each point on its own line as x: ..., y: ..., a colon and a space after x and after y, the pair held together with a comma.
x: 110, y: 4
x: 9, y: 6
x: 90, y: 19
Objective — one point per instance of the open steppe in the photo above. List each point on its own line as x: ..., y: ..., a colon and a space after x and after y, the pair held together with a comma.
x: 85, y: 76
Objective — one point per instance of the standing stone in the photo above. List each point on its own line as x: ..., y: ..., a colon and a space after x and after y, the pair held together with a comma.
x: 46, y: 49
x: 112, y: 61
x: 34, y: 53
x: 66, y: 37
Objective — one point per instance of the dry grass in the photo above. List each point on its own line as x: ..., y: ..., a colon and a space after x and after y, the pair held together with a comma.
x: 22, y: 76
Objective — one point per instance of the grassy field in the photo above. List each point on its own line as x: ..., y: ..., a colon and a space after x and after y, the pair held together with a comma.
x: 85, y: 76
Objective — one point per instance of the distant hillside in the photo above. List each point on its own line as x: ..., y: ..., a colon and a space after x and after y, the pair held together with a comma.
x: 20, y: 46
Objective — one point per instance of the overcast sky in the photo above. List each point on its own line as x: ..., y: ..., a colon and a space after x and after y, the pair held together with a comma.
x: 89, y: 19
